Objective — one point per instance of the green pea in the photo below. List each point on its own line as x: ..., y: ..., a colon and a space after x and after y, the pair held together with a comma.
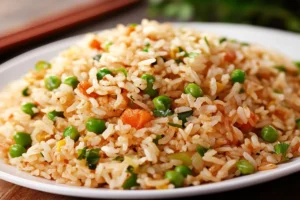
x: 245, y: 167
x: 150, y: 79
x: 16, y: 150
x: 238, y: 76
x: 269, y: 134
x: 162, y: 102
x: 95, y: 125
x: 41, y: 65
x: 183, y: 170
x: 52, y: 82
x: 71, y: 81
x: 72, y: 132
x: 298, y: 123
x: 103, y: 72
x: 23, y: 139
x: 53, y: 114
x: 28, y: 108
x: 193, y: 90
x: 175, y: 178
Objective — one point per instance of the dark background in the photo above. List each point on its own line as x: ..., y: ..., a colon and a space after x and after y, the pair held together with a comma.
x: 283, y: 188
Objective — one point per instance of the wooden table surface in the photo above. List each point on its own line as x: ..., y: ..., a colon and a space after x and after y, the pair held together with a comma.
x: 284, y: 188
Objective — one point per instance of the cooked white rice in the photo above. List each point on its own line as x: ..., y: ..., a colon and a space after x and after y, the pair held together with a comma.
x: 227, y: 120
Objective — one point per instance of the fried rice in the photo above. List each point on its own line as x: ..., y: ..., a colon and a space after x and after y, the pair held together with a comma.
x: 217, y: 130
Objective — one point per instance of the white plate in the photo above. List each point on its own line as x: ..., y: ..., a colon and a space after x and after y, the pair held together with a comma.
x: 285, y: 42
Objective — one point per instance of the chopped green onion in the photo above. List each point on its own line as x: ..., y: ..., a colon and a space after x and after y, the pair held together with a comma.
x: 133, y: 25
x: 130, y: 182
x: 201, y: 150
x: 158, y: 137
x: 25, y: 92
x: 107, y: 45
x: 277, y: 91
x: 81, y: 153
x: 53, y: 114
x: 119, y: 158
x: 175, y: 125
x: 97, y: 57
x: 192, y: 54
x: 162, y: 113
x: 206, y: 41
x: 298, y: 123
x: 281, y: 148
x: 245, y: 44
x: 184, y: 115
x: 92, y: 158
x: 123, y: 70
x: 222, y: 40
x: 103, y: 72
x: 150, y: 79
x: 280, y: 68
x: 130, y: 169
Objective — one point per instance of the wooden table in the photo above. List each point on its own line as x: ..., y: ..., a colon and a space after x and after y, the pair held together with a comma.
x: 284, y: 188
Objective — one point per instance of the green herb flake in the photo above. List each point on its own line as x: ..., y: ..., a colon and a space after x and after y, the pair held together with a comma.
x: 206, y: 41
x: 123, y: 70
x: 223, y: 39
x: 201, y: 150
x: 175, y: 125
x: 41, y: 154
x: 158, y: 137
x: 184, y: 115
x: 280, y: 68
x: 25, y: 92
x: 242, y: 90
x: 81, y: 153
x: 119, y: 158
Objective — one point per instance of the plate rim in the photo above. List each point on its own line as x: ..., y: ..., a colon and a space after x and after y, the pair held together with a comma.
x: 235, y: 183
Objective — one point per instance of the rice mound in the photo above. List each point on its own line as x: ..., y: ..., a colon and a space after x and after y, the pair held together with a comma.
x: 226, y: 121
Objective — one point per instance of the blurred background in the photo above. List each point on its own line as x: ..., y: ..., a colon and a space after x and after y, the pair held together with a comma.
x: 26, y: 24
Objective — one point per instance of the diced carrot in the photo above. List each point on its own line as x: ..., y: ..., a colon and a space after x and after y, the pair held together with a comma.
x: 95, y: 44
x: 249, y: 125
x: 83, y: 86
x: 137, y: 118
x: 130, y: 29
x: 220, y: 87
x: 230, y: 56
